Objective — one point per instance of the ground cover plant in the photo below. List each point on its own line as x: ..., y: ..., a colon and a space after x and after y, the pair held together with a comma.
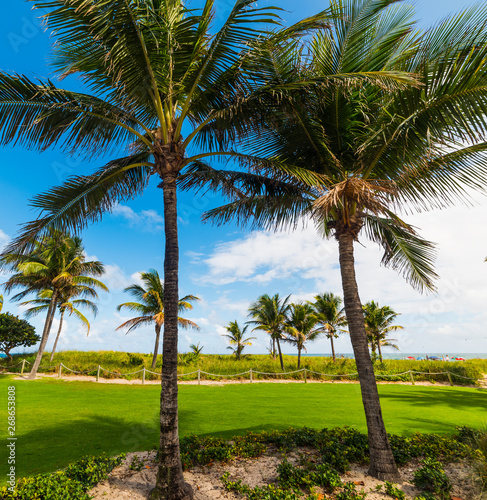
x: 121, y: 362
x: 74, y: 419
x: 305, y: 477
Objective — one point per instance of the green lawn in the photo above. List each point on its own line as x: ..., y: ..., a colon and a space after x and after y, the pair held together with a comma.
x: 58, y: 422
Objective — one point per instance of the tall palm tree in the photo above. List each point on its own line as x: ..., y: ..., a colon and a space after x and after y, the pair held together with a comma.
x: 331, y: 316
x: 378, y: 323
x: 151, y: 307
x: 155, y: 69
x: 56, y: 263
x: 270, y: 314
x: 68, y: 302
x: 301, y: 327
x: 236, y: 338
x: 375, y: 152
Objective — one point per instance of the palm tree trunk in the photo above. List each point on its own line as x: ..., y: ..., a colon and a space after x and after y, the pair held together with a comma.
x: 382, y: 464
x: 273, y: 348
x: 332, y: 348
x: 379, y: 349
x: 299, y: 358
x: 170, y: 483
x: 156, y: 347
x: 58, y: 335
x: 280, y: 354
x: 45, y: 335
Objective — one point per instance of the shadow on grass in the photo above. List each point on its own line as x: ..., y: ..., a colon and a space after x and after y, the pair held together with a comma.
x: 54, y: 446
x: 456, y: 398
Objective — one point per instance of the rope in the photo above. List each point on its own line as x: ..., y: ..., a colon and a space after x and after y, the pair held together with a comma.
x: 225, y: 375
x: 74, y: 371
x: 121, y: 374
x: 389, y: 375
x: 279, y: 373
x: 186, y: 374
x: 333, y: 374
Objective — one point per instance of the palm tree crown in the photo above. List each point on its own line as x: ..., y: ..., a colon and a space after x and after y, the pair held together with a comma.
x: 236, y: 338
x: 270, y: 314
x: 378, y: 323
x: 331, y: 316
x: 150, y: 306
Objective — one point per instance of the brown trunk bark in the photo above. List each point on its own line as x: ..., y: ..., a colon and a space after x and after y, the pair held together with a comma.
x: 280, y: 354
x: 273, y: 348
x: 299, y: 358
x: 379, y: 349
x: 382, y: 464
x: 58, y: 335
x: 170, y: 483
x: 156, y: 346
x: 332, y: 348
x: 45, y: 335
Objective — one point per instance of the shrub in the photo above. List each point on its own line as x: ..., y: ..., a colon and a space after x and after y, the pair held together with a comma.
x: 432, y: 478
x: 15, y: 332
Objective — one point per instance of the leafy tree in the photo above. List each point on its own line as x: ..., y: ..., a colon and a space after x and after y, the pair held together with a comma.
x: 372, y: 151
x: 151, y: 301
x: 378, y: 323
x: 270, y: 314
x: 236, y: 338
x: 68, y: 303
x: 330, y: 315
x: 56, y: 263
x: 300, y: 327
x: 15, y: 332
x: 154, y: 69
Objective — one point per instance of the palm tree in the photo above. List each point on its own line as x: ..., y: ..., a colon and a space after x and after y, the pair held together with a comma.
x: 68, y: 303
x: 57, y: 264
x: 372, y: 152
x: 270, y: 315
x: 378, y: 323
x: 1, y: 303
x: 151, y: 301
x: 331, y: 316
x: 154, y: 70
x: 236, y: 338
x: 301, y: 327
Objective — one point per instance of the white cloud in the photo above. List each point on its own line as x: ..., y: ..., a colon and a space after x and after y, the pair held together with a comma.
x: 147, y: 220
x: 4, y: 239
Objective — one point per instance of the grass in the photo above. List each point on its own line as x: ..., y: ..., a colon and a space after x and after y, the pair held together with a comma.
x: 122, y: 362
x: 58, y: 422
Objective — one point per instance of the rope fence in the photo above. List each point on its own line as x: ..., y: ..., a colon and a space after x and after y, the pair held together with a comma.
x: 250, y: 373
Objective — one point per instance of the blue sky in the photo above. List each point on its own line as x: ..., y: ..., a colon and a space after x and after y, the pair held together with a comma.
x: 227, y: 267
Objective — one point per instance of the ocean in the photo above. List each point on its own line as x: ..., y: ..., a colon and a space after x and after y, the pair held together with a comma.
x: 402, y: 355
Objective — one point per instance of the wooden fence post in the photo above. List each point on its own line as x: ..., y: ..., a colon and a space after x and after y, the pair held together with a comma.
x: 304, y: 372
x: 60, y: 369
x: 143, y: 375
x: 98, y: 374
x: 23, y: 366
x: 250, y: 371
x: 412, y: 378
x: 199, y: 376
x: 449, y: 378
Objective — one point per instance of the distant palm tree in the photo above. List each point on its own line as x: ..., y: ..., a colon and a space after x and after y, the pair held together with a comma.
x: 151, y: 307
x: 330, y: 315
x: 378, y: 323
x: 269, y: 315
x: 301, y: 327
x: 236, y: 338
x: 68, y: 303
x: 56, y: 263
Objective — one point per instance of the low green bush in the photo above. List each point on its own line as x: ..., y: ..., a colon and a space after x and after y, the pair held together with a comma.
x: 431, y: 478
x: 71, y: 483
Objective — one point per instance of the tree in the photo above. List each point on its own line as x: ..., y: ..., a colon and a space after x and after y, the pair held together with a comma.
x: 236, y: 338
x: 327, y: 308
x: 154, y: 70
x: 68, y: 303
x: 195, y: 351
x: 372, y: 150
x: 56, y: 263
x: 151, y: 307
x: 300, y: 327
x: 269, y: 314
x: 378, y: 323
x: 1, y: 303
x: 15, y: 332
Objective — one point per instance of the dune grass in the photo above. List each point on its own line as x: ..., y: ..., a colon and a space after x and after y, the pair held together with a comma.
x: 121, y: 362
x: 58, y: 422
